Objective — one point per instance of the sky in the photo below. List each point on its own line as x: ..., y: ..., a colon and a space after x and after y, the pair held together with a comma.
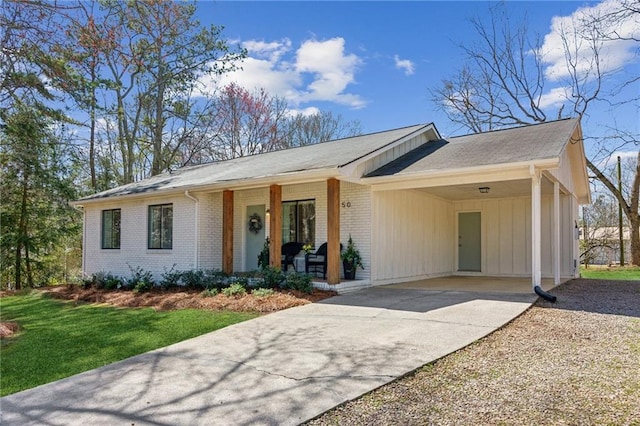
x: 377, y: 61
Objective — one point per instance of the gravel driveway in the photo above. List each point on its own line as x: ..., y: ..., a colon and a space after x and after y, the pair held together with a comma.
x: 573, y: 362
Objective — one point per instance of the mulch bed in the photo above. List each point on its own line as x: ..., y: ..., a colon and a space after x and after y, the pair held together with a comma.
x: 188, y: 299
x: 165, y: 300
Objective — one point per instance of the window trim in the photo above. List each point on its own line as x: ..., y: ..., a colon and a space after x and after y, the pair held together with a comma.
x: 161, y: 233
x: 103, y: 240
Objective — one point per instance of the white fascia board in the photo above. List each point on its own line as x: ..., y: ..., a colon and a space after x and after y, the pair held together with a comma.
x: 583, y: 169
x: 347, y: 171
x: 240, y: 184
x: 490, y: 173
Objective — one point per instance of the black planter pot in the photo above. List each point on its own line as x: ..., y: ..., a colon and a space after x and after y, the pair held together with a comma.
x: 349, y: 270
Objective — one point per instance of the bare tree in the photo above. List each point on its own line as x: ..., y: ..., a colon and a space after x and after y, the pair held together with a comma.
x: 505, y: 84
x: 321, y: 126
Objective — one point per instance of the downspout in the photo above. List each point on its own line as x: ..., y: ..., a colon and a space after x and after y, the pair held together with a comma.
x: 195, y: 231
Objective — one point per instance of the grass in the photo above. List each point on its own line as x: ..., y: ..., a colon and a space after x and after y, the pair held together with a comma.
x: 58, y: 339
x: 611, y: 273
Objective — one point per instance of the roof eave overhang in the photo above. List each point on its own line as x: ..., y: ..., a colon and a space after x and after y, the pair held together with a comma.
x: 292, y: 178
x: 459, y: 176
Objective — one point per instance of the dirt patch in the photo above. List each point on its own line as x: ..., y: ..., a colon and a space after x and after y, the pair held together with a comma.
x: 8, y: 329
x: 171, y: 300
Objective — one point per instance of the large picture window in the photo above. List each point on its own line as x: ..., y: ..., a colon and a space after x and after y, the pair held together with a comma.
x: 111, y: 229
x: 299, y: 222
x: 161, y: 226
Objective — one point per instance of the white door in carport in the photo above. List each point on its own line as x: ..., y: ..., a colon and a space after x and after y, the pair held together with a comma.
x: 469, y: 242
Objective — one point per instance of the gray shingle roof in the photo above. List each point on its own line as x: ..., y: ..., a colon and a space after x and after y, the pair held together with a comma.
x: 520, y: 144
x: 326, y: 155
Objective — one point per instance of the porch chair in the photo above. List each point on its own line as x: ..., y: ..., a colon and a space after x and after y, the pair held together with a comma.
x: 289, y: 251
x: 318, y: 260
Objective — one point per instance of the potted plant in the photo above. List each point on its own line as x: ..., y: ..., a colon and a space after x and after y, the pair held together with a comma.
x: 351, y: 259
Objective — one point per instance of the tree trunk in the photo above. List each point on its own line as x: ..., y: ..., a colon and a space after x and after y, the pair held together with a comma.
x: 92, y: 134
x: 635, y: 241
x: 158, y: 161
x: 21, y: 232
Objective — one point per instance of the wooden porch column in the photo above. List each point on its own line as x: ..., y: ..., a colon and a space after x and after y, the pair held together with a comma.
x: 227, y: 231
x: 333, y: 231
x: 557, y: 263
x: 275, y: 225
x: 536, y: 231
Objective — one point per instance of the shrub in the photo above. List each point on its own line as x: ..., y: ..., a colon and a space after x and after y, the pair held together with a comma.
x: 140, y: 280
x: 301, y: 282
x: 171, y: 279
x: 210, y: 292
x: 262, y: 292
x: 107, y: 281
x: 263, y: 257
x: 194, y: 279
x: 235, y: 289
x: 273, y: 277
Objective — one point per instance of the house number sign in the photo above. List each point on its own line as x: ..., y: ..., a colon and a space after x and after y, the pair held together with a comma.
x: 346, y: 204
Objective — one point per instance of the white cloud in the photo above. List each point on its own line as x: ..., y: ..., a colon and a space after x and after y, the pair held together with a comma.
x: 554, y: 97
x: 404, y: 64
x: 316, y: 71
x: 612, y: 159
x: 305, y: 112
x: 613, y: 54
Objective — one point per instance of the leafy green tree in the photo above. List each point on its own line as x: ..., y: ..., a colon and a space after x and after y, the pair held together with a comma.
x: 36, y: 186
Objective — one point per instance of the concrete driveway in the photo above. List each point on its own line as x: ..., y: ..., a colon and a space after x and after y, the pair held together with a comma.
x: 283, y: 368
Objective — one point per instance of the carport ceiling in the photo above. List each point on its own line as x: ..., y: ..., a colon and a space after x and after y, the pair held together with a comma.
x: 503, y: 189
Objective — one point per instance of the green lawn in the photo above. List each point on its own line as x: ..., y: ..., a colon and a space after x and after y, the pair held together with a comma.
x: 58, y: 339
x: 623, y: 273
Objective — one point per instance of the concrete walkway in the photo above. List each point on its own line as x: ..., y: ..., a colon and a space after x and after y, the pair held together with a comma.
x: 283, y: 368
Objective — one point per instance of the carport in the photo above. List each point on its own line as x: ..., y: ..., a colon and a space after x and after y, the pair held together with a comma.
x: 501, y: 207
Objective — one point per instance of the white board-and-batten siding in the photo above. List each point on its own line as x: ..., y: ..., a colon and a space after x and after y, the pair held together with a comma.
x: 412, y: 236
x: 415, y: 235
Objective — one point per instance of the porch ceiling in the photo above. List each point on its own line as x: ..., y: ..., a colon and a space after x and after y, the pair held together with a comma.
x: 503, y: 189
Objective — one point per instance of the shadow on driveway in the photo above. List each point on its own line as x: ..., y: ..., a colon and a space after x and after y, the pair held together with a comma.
x: 283, y: 368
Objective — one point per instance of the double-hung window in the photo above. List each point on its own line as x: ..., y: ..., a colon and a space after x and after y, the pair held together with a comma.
x: 299, y: 222
x: 161, y: 226
x: 111, y: 229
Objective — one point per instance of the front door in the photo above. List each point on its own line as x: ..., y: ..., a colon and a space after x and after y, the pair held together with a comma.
x: 469, y: 242
x: 254, y: 240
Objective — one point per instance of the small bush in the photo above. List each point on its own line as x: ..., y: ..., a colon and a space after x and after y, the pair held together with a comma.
x: 211, y: 292
x: 235, y: 289
x: 301, y: 282
x: 263, y: 257
x: 273, y: 277
x: 106, y: 281
x: 140, y: 280
x: 262, y: 292
x: 194, y: 279
x: 171, y: 279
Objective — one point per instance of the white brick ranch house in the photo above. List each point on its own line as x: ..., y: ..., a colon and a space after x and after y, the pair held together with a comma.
x: 502, y: 203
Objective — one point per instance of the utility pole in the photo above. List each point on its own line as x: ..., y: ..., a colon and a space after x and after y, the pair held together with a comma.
x: 620, y: 230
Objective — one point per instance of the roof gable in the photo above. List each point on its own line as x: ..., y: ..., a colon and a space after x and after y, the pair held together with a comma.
x: 515, y: 145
